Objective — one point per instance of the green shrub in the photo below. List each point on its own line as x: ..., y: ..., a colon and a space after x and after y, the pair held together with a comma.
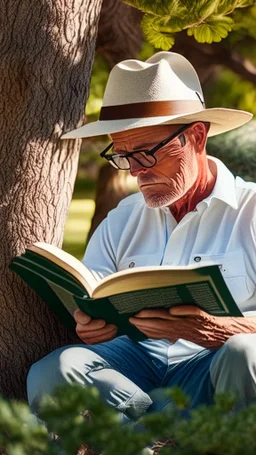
x: 212, y: 430
x: 237, y: 150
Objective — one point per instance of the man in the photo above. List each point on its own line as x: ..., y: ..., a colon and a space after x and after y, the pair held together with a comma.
x: 189, y: 208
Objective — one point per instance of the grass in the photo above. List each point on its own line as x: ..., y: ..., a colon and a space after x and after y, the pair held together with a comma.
x: 77, y: 226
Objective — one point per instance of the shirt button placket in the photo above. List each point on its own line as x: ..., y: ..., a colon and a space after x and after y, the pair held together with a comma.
x: 197, y: 258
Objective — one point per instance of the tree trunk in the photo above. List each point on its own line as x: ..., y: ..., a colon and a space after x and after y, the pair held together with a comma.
x: 46, y: 58
x: 120, y: 37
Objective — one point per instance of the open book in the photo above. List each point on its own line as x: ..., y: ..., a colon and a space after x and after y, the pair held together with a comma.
x: 65, y: 284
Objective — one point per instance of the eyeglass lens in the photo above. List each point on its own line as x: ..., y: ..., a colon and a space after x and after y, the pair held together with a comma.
x: 123, y: 162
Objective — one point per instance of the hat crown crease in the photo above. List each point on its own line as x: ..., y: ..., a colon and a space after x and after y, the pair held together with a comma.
x: 148, y: 82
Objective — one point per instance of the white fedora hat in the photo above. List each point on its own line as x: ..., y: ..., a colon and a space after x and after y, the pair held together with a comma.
x: 163, y: 90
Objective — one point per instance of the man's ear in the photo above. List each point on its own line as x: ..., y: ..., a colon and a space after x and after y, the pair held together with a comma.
x: 199, y: 131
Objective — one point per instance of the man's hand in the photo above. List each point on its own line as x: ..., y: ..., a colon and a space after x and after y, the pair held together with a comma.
x: 92, y: 331
x: 191, y: 323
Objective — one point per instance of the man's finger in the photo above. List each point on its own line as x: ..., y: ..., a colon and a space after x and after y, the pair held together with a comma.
x: 94, y: 324
x: 96, y: 332
x: 81, y: 318
x: 101, y: 336
x: 155, y: 313
x: 186, y: 310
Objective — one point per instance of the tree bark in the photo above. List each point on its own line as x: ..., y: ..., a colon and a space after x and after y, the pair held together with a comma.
x: 120, y: 37
x: 46, y: 57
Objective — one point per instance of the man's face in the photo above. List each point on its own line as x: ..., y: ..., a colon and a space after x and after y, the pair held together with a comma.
x: 176, y: 169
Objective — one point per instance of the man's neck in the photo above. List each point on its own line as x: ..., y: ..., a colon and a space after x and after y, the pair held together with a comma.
x: 199, y: 191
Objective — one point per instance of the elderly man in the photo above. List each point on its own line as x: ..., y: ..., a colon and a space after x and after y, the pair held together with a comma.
x: 189, y: 208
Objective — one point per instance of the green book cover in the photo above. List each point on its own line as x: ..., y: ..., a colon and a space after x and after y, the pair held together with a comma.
x: 64, y: 296
x: 43, y: 288
x: 63, y: 291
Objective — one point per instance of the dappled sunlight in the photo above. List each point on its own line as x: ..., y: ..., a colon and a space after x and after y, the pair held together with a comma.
x: 77, y: 226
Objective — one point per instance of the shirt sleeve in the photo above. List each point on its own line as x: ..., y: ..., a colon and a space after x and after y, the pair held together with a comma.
x: 100, y: 254
x: 249, y: 314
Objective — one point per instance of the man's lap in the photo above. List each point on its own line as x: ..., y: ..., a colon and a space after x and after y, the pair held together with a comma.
x: 141, y: 366
x: 136, y: 363
x: 132, y: 377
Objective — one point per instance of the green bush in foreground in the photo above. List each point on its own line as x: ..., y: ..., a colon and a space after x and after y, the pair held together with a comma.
x: 205, y: 430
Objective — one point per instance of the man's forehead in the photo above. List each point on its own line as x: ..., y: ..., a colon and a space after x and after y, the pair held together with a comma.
x: 147, y: 133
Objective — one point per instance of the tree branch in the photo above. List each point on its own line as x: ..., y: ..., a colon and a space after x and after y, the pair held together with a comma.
x: 241, y: 66
x: 205, y: 57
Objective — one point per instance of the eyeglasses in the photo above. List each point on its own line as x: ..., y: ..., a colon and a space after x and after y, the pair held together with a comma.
x: 145, y: 158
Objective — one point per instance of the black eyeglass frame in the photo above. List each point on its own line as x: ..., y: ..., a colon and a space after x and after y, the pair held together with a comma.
x: 150, y: 152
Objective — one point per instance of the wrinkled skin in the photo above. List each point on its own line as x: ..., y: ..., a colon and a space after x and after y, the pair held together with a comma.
x: 181, y: 178
x: 193, y: 324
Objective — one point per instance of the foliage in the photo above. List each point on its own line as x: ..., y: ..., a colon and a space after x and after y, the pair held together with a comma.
x: 20, y: 432
x: 237, y: 150
x: 207, y: 20
x: 208, y: 430
x: 231, y: 90
x: 244, y: 23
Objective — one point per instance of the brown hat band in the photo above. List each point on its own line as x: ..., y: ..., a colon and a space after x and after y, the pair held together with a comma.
x: 150, y: 109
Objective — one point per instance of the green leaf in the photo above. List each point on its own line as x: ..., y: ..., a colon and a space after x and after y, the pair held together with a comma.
x: 206, y: 8
x: 144, y: 6
x: 173, y: 25
x: 159, y: 7
x: 214, y: 30
x: 244, y: 3
x: 151, y: 27
x: 228, y: 6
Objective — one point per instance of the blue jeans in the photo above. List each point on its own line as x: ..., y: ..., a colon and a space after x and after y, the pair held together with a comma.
x: 131, y: 376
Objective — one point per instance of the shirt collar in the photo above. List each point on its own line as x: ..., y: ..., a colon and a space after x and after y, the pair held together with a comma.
x: 224, y: 188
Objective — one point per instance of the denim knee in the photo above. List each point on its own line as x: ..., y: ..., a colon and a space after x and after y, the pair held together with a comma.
x: 233, y: 369
x: 240, y: 348
x: 78, y: 364
x: 48, y: 373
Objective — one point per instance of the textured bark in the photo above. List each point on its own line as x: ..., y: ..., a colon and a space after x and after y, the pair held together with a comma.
x: 120, y: 34
x: 120, y: 37
x: 46, y: 56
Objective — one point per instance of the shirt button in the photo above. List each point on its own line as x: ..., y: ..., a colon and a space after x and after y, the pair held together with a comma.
x: 131, y: 265
x: 197, y: 258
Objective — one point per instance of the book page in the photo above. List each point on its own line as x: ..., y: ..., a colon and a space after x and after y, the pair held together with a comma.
x: 132, y: 302
x: 145, y: 277
x: 67, y: 262
x: 65, y: 297
x: 201, y: 294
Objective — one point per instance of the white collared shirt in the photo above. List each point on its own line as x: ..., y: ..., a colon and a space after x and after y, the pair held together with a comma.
x: 221, y: 230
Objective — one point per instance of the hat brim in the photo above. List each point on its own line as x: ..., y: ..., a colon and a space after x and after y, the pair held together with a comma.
x: 221, y: 120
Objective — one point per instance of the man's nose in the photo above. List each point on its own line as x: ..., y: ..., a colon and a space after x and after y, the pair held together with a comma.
x: 135, y: 167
